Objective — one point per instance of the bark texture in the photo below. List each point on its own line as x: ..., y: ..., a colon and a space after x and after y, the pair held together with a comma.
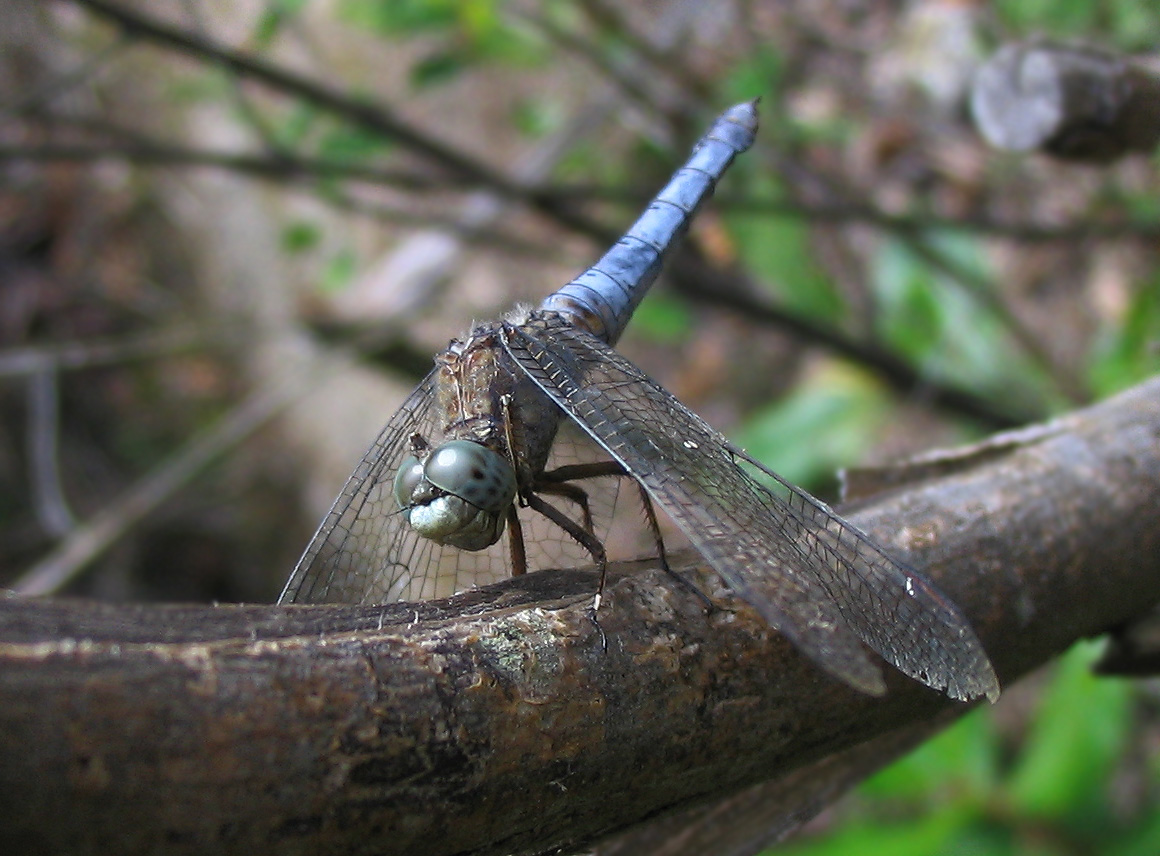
x: 1074, y: 103
x: 498, y: 722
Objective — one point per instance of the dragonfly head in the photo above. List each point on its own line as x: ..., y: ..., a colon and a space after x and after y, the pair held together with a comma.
x: 458, y: 494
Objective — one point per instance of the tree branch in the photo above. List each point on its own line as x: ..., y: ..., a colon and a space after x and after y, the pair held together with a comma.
x: 375, y: 117
x: 1074, y: 103
x: 495, y: 721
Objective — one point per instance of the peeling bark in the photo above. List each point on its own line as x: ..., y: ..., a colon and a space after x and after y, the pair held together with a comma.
x: 495, y: 721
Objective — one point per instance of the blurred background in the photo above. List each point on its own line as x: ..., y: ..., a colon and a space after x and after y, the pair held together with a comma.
x: 233, y: 234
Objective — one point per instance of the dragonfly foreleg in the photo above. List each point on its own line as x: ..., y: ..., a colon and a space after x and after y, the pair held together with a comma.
x: 582, y: 536
x: 558, y: 482
x: 516, y: 542
x: 575, y: 493
x: 572, y: 472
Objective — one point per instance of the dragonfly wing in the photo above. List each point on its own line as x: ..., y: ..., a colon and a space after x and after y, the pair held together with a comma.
x: 816, y: 578
x: 362, y: 551
x: 365, y: 551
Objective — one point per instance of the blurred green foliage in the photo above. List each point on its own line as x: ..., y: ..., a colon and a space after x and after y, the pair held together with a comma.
x: 1127, y: 353
x: 780, y: 251
x: 1126, y: 24
x: 975, y: 790
x: 461, y: 34
x: 839, y: 409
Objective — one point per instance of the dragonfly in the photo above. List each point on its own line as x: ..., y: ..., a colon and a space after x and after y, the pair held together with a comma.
x: 472, y: 453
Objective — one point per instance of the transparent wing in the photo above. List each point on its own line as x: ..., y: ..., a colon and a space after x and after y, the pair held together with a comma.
x: 365, y: 552
x: 820, y: 581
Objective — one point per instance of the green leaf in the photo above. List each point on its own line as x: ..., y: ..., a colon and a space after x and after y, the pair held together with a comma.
x: 941, y: 326
x: 399, y: 17
x: 300, y: 236
x: 339, y: 272
x: 923, y: 836
x: 1127, y: 352
x: 662, y: 319
x: 1075, y: 741
x: 461, y: 34
x: 1049, y: 16
x: 778, y: 250
x: 440, y: 67
x: 272, y: 20
x: 1133, y: 25
x: 346, y: 144
x: 1142, y: 840
x: 961, y: 763
x: 910, y: 316
x: 759, y: 73
x: 295, y: 126
x: 828, y: 421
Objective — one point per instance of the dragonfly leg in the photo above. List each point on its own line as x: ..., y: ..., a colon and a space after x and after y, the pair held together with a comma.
x: 516, y: 542
x: 559, y: 482
x: 583, y: 537
x: 588, y: 541
x: 654, y: 527
x: 577, y: 494
x: 575, y: 472
x: 559, y: 477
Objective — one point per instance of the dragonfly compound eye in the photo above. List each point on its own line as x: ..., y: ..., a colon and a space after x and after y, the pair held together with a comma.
x: 409, y: 477
x: 474, y: 473
x: 477, y: 486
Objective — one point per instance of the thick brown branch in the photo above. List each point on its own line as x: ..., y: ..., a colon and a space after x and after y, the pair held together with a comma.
x: 1074, y: 103
x: 495, y: 722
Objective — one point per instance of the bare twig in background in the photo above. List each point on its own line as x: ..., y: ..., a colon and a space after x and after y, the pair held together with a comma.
x: 374, y: 117
x: 408, y: 728
x: 1076, y: 103
x: 41, y: 367
x: 695, y: 280
x: 380, y: 119
x: 52, y: 511
x: 89, y: 540
x: 279, y: 166
x: 17, y: 362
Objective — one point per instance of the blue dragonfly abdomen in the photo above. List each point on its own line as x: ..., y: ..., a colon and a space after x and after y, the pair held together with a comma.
x: 602, y: 299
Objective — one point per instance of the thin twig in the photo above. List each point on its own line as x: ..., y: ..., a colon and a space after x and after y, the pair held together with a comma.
x: 655, y: 55
x: 52, y: 510
x: 290, y: 170
x: 292, y: 167
x: 21, y: 362
x: 99, y: 532
x: 376, y: 118
x: 275, y: 165
x: 698, y: 281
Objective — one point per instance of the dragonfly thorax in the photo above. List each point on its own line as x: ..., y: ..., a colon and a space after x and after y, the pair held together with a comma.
x: 458, y: 494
